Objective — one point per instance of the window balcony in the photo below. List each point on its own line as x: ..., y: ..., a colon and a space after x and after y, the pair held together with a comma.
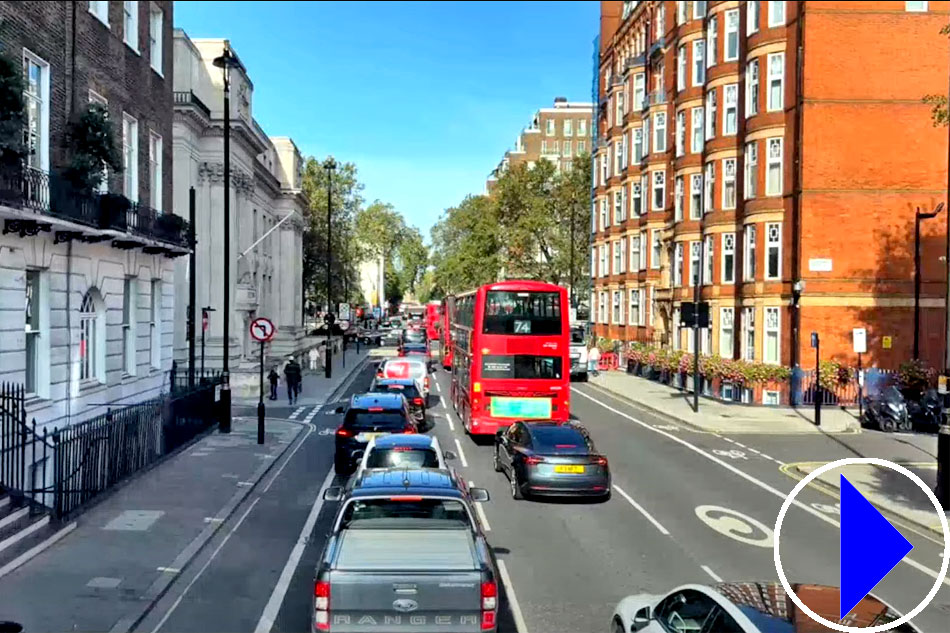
x: 657, y: 97
x: 188, y: 98
x: 656, y: 46
x: 634, y: 61
x: 29, y: 196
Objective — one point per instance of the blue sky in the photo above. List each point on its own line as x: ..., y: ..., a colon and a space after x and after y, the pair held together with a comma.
x: 424, y: 97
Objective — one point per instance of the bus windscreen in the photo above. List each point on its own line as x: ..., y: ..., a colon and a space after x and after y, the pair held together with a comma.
x: 521, y: 366
x: 516, y: 313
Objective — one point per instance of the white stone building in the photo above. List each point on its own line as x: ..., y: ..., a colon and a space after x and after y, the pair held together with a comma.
x: 266, y: 181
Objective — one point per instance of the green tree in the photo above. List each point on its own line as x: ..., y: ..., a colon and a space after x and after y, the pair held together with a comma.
x: 571, y: 206
x: 466, y: 246
x: 522, y: 196
x: 347, y: 200
x: 92, y: 143
x: 412, y: 257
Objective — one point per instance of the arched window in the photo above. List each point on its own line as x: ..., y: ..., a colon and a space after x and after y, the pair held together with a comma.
x: 91, y: 338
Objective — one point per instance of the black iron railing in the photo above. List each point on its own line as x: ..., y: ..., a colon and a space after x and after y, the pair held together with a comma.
x: 62, y: 470
x: 189, y: 98
x: 50, y: 194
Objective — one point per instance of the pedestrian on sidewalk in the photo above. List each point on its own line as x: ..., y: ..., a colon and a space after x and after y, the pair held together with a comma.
x: 292, y: 375
x: 274, y: 378
x: 312, y: 356
x: 593, y: 359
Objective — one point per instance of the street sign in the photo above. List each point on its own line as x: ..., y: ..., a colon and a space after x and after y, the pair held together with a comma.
x: 262, y: 329
x: 344, y: 312
x: 814, y: 340
x: 886, y: 342
x: 942, y: 384
x: 859, y: 338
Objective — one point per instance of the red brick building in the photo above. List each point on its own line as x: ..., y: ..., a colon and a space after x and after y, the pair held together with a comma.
x: 790, y: 140
x: 557, y: 134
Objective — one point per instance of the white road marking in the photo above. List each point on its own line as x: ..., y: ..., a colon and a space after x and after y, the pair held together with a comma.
x: 442, y: 400
x: 297, y: 411
x: 642, y: 511
x: 711, y: 573
x: 739, y: 444
x: 768, y: 457
x: 757, y: 482
x: 266, y: 623
x: 752, y: 450
x: 733, y: 454
x: 234, y: 529
x: 512, y: 599
x: 168, y: 570
x: 245, y: 484
x: 461, y: 453
x: 480, y: 511
x: 310, y: 429
x: 213, y: 520
x: 730, y: 440
x: 438, y: 387
x: 451, y: 424
x: 737, y: 526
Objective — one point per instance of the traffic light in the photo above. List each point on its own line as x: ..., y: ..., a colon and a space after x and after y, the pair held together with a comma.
x: 689, y: 314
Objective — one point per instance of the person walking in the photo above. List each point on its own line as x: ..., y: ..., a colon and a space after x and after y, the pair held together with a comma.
x: 293, y: 377
x: 593, y: 359
x: 274, y: 378
x: 312, y: 356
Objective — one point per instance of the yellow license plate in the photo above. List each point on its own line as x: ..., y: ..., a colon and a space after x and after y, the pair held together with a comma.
x: 365, y: 437
x: 578, y: 470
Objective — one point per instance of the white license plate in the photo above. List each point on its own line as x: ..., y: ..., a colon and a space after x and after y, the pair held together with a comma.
x: 366, y: 437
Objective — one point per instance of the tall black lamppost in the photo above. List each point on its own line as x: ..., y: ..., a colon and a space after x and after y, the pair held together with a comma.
x: 917, y: 219
x: 226, y: 62
x: 330, y: 165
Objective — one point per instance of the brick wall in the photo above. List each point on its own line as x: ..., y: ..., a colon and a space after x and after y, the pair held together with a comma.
x: 99, y: 60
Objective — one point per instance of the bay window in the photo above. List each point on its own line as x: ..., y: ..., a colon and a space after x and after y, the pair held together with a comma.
x: 699, y: 65
x: 712, y: 40
x: 776, y: 14
x: 748, y: 256
x: 710, y: 116
x: 751, y: 17
x: 696, y: 117
x: 659, y: 190
x: 681, y: 132
x: 678, y: 265
x: 773, y: 180
x: 776, y: 66
x: 729, y: 183
x: 710, y: 185
x: 695, y: 196
x: 726, y: 332
x: 639, y: 91
x: 751, y: 163
x: 694, y: 263
x: 731, y: 53
x: 728, y: 258
x: 656, y: 249
x: 637, y: 145
x: 615, y: 270
x: 636, y: 199
x: 681, y: 67
x: 773, y: 250
x: 772, y: 351
x: 730, y: 122
x: 634, y: 314
x: 618, y: 309
x: 678, y: 196
x: 634, y: 252
x: 748, y: 333
x: 659, y: 132
x: 752, y: 88
x: 643, y: 250
x: 708, y: 243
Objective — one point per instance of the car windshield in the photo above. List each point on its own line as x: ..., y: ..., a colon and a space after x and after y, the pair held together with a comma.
x: 409, y: 391
x: 578, y: 335
x: 402, y: 456
x: 558, y: 440
x: 362, y: 420
x: 408, y: 511
x: 415, y: 336
x: 522, y: 313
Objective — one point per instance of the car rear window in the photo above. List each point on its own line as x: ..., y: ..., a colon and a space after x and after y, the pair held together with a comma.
x: 409, y: 511
x: 415, y: 347
x: 409, y: 391
x: 401, y: 456
x: 559, y: 440
x: 404, y: 369
x: 362, y: 420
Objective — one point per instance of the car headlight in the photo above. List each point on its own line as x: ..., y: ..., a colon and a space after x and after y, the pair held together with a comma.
x: 894, y: 407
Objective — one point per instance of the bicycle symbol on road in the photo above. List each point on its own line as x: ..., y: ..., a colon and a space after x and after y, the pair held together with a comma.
x: 731, y: 454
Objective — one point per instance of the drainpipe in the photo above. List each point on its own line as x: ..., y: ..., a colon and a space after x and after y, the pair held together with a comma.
x: 797, y: 283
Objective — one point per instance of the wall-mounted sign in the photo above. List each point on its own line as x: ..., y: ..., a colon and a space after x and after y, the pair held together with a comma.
x: 886, y: 342
x: 819, y: 265
x: 859, y: 338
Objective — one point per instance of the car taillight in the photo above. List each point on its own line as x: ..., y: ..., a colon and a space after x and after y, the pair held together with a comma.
x: 321, y: 605
x: 341, y: 432
x: 489, y: 604
x: 417, y: 401
x: 410, y: 430
x: 600, y: 460
x: 427, y: 382
x: 532, y: 460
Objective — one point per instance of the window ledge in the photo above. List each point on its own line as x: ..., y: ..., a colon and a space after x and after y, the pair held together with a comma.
x: 91, y: 386
x: 133, y: 49
x: 105, y: 21
x: 157, y: 71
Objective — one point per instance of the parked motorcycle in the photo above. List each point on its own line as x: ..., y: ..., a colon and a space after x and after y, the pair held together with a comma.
x: 927, y: 414
x: 887, y: 411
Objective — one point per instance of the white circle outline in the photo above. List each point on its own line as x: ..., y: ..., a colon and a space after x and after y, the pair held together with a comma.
x: 846, y: 462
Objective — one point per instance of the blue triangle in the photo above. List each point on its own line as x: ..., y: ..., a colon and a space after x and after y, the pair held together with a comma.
x: 870, y: 547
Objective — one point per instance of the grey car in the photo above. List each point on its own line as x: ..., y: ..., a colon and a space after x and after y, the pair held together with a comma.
x: 551, y: 459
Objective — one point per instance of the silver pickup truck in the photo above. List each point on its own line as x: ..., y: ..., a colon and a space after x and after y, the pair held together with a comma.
x: 406, y: 559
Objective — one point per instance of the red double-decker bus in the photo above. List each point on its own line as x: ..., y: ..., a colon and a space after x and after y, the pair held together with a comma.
x: 433, y: 314
x: 511, y: 355
x: 445, y: 332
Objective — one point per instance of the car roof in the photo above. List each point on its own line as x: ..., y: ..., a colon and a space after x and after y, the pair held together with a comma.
x: 412, y: 440
x: 397, y: 481
x: 384, y: 400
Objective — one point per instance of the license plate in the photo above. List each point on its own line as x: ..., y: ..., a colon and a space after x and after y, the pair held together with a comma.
x: 577, y: 470
x: 536, y: 408
x: 365, y: 437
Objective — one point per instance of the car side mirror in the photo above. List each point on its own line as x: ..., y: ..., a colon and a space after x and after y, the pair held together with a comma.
x: 479, y: 495
x: 641, y: 619
x: 338, y: 410
x: 333, y: 493
x: 449, y: 455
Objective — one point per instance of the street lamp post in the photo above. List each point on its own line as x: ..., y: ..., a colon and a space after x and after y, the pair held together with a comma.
x: 918, y: 216
x: 226, y: 62
x: 330, y: 165
x: 204, y: 320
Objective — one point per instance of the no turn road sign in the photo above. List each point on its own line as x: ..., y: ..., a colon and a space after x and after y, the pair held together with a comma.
x: 262, y: 329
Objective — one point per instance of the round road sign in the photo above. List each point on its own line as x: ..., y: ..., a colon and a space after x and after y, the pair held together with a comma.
x: 262, y: 329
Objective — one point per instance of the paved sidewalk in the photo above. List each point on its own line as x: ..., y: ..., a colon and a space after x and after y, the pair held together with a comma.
x: 127, y: 550
x: 887, y: 489
x: 316, y: 387
x: 719, y: 417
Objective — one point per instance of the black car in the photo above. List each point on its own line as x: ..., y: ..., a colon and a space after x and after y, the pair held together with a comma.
x: 407, y: 387
x: 369, y: 415
x: 551, y: 458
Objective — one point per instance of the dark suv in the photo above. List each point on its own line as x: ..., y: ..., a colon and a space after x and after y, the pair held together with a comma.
x: 369, y: 415
x: 407, y: 387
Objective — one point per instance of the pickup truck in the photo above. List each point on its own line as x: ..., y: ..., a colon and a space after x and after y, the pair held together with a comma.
x: 406, y: 553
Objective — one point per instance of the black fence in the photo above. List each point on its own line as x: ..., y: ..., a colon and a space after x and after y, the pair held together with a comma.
x: 62, y: 470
